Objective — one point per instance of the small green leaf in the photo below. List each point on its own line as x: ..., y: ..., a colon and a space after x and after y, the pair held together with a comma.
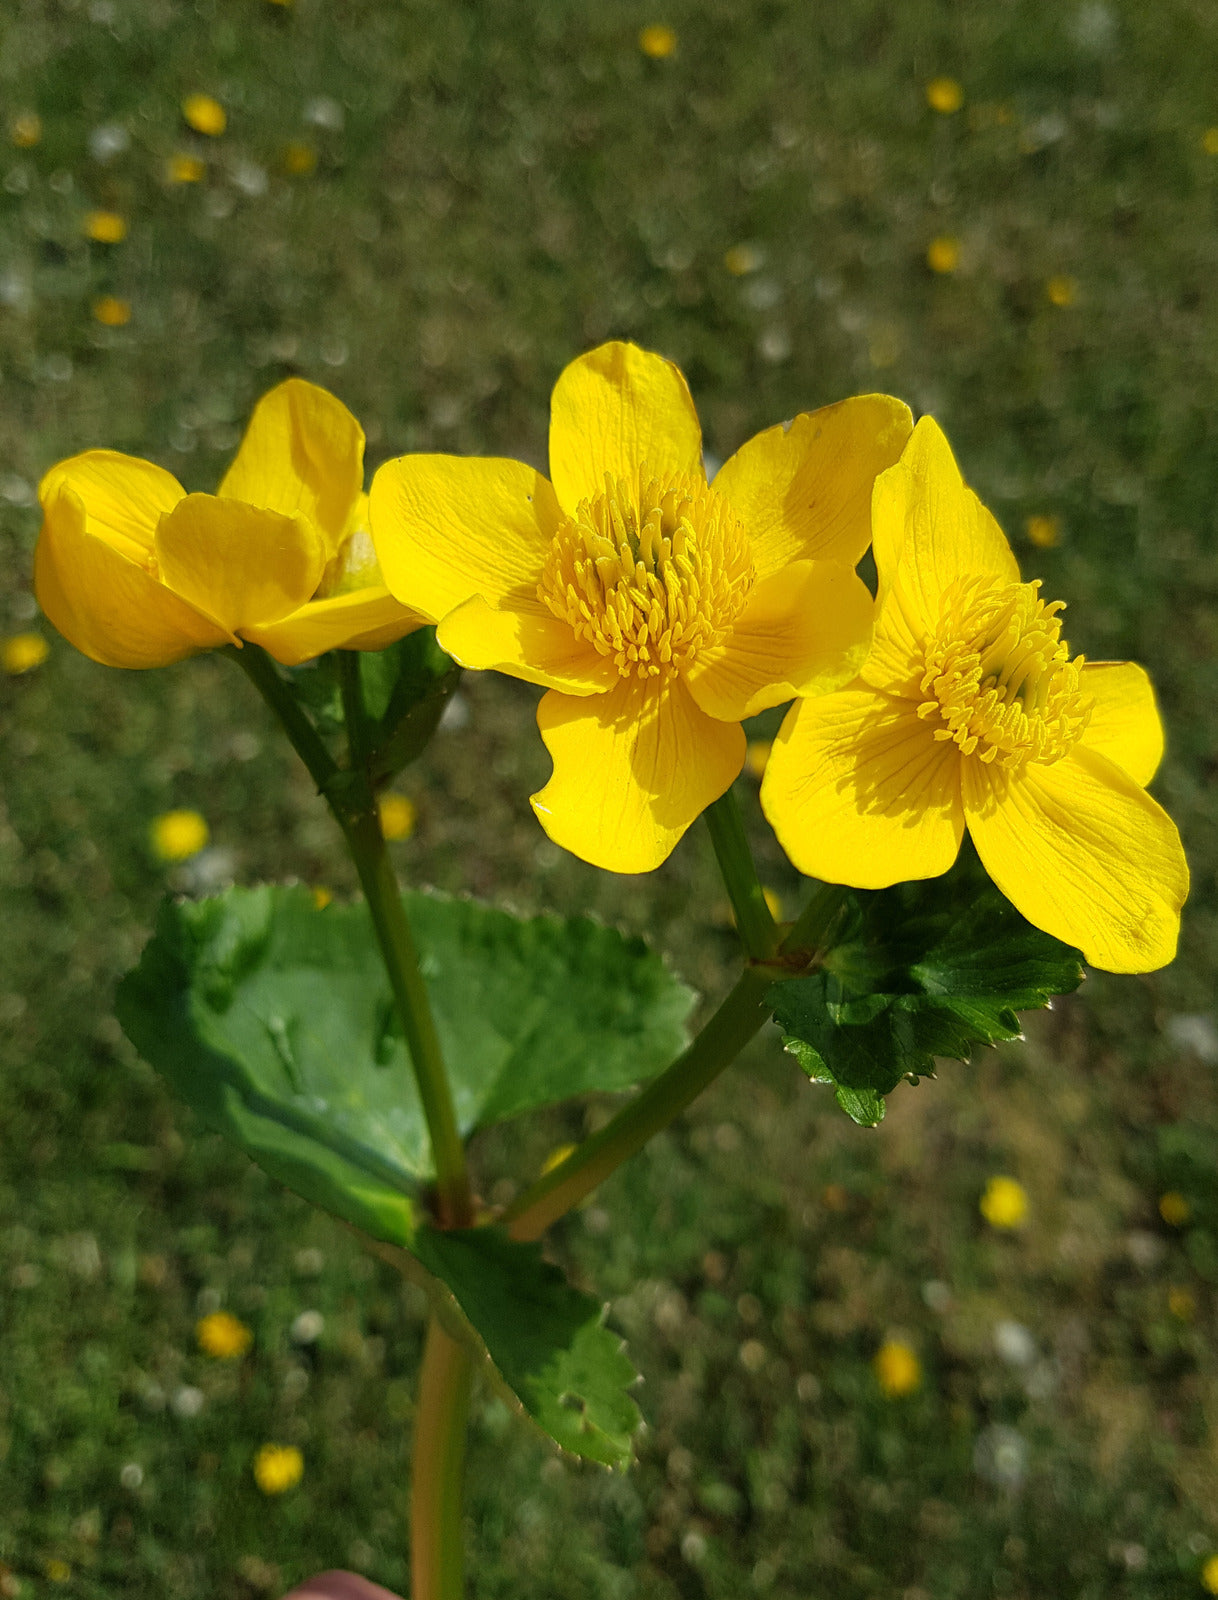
x: 547, y: 1339
x: 926, y: 969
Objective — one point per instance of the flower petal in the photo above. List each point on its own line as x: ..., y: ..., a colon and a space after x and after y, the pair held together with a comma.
x: 614, y: 410
x: 1084, y: 853
x: 803, y: 489
x: 859, y: 792
x: 363, y: 619
x: 110, y: 607
x: 448, y: 527
x: 1125, y: 724
x: 524, y: 639
x: 302, y: 452
x: 240, y: 564
x: 632, y: 770
x: 804, y: 630
x: 124, y: 498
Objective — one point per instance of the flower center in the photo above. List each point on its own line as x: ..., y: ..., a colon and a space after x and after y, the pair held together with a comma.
x: 651, y: 575
x: 998, y: 675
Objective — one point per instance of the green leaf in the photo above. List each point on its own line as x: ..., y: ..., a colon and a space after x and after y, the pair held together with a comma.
x: 274, y: 1020
x: 926, y: 969
x: 547, y: 1339
x: 406, y: 688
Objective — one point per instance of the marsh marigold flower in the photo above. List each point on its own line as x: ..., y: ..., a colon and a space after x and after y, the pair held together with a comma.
x: 944, y: 95
x: 1004, y: 1203
x: 135, y: 572
x: 105, y: 227
x: 278, y: 1467
x: 971, y: 712
x: 204, y: 115
x: 658, y: 610
x: 223, y: 1336
x: 657, y: 41
x: 178, y: 835
x: 22, y: 652
x: 897, y: 1368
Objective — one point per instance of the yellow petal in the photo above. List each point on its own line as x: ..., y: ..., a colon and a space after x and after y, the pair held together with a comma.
x: 124, y: 498
x: 448, y: 527
x: 302, y: 452
x: 523, y: 638
x: 803, y: 631
x: 364, y: 619
x: 614, y: 410
x: 804, y: 488
x: 859, y: 792
x: 632, y: 770
x: 240, y: 564
x: 1125, y: 724
x: 1084, y: 853
x: 111, y: 608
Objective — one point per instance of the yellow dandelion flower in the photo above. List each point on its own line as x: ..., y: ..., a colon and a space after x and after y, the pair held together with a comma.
x: 57, y: 1571
x: 1182, y: 1304
x: 897, y: 1369
x: 944, y: 95
x: 204, y: 115
x: 659, y: 610
x: 185, y: 168
x: 1004, y: 1203
x: 943, y: 254
x: 22, y: 652
x: 299, y: 159
x: 742, y: 259
x: 971, y: 713
x: 322, y: 897
x: 1209, y: 1575
x: 1174, y: 1209
x: 1209, y: 143
x: 112, y: 312
x: 178, y: 835
x: 1042, y: 531
x: 657, y: 41
x: 278, y: 1467
x: 25, y: 130
x: 1062, y: 291
x: 105, y: 227
x: 756, y: 754
x: 397, y: 815
x: 137, y: 573
x: 223, y: 1336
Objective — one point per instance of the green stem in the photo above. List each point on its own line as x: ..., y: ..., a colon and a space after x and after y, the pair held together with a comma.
x: 437, y: 1558
x: 807, y: 936
x: 354, y: 713
x: 354, y: 808
x: 754, y: 920
x: 718, y: 1044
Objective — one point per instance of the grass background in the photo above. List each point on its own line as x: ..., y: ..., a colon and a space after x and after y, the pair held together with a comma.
x: 499, y: 184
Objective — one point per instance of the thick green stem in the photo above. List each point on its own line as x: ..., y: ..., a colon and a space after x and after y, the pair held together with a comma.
x: 754, y: 920
x: 264, y: 675
x: 717, y: 1045
x: 437, y: 1559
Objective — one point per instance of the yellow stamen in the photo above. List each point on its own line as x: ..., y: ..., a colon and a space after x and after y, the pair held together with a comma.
x: 650, y: 576
x: 998, y: 676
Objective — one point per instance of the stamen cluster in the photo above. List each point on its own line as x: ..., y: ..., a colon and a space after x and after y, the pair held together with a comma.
x: 999, y: 678
x: 649, y: 575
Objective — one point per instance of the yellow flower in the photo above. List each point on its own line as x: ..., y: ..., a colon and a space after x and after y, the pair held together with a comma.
x: 22, y: 652
x: 223, y: 1336
x: 659, y: 610
x: 178, y: 835
x: 898, y: 1370
x: 137, y: 573
x: 112, y: 312
x: 1062, y: 291
x: 1004, y: 1203
x: 1209, y: 143
x: 1174, y: 1209
x: 1209, y: 1575
x: 943, y: 255
x: 944, y: 95
x: 1043, y: 532
x: 397, y: 815
x: 657, y: 41
x: 105, y: 227
x: 970, y: 712
x: 322, y: 897
x: 184, y: 168
x: 25, y: 130
x: 278, y: 1467
x: 204, y: 115
x: 299, y: 158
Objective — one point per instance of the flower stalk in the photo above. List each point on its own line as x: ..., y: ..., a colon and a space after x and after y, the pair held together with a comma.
x: 436, y: 1554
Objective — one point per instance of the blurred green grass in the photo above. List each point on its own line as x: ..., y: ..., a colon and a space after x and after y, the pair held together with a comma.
x: 498, y: 185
